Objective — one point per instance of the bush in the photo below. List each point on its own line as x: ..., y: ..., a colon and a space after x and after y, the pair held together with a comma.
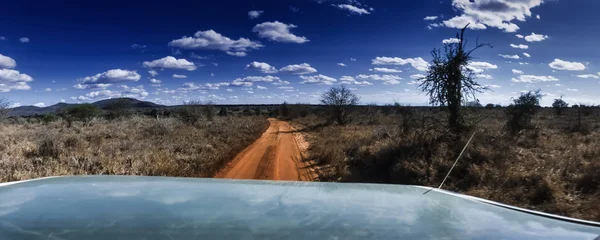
x: 559, y: 105
x: 118, y: 109
x: 521, y: 111
x: 83, y: 112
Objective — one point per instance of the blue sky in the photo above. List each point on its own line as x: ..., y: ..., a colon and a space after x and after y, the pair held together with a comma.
x: 274, y: 51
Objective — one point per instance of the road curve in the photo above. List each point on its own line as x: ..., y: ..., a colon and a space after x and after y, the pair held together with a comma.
x: 274, y: 156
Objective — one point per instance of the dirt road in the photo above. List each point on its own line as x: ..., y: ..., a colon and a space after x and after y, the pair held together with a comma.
x: 274, y: 156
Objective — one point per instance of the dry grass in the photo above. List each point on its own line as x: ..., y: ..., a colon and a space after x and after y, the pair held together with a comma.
x: 554, y: 168
x: 131, y: 146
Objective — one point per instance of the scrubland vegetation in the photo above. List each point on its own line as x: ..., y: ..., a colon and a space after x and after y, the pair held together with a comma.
x: 188, y: 142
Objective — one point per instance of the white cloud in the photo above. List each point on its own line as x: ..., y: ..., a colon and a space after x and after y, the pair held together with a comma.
x: 286, y: 88
x: 534, y: 79
x: 492, y: 86
x: 588, y: 76
x: 353, y: 59
x: 387, y: 79
x: 152, y: 73
x: 450, y: 40
x: 509, y: 56
x: 350, y: 80
x: 255, y: 14
x: 259, y: 79
x: 520, y: 46
x: 7, y: 62
x: 526, y: 54
x: 212, y: 40
x: 40, y: 104
x: 13, y: 80
x: 262, y: 67
x: 318, y: 79
x: 251, y: 92
x: 108, y: 77
x: 572, y: 89
x: 515, y: 71
x: 24, y: 40
x: 155, y: 82
x: 138, y: 46
x: 261, y: 87
x: 278, y: 31
x: 496, y: 14
x: 386, y: 70
x: 536, y: 37
x: 280, y: 83
x: 537, y: 16
x: 179, y: 76
x: 417, y: 63
x: 430, y: 18
x: 352, y: 9
x: 170, y: 62
x: 520, y: 36
x: 48, y: 89
x: 341, y: 64
x: 417, y: 76
x: 2, y: 38
x: 486, y: 76
x: 564, y: 65
x: 479, y: 67
x: 102, y: 94
x: 523, y: 63
x: 303, y: 68
x: 237, y: 54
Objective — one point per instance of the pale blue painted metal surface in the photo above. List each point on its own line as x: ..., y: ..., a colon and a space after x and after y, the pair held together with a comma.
x: 118, y: 207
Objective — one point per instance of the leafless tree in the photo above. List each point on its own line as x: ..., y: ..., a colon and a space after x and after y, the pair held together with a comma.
x: 449, y: 81
x: 4, y: 108
x: 340, y: 101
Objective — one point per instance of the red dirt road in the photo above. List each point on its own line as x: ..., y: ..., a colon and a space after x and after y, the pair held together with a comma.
x: 274, y: 156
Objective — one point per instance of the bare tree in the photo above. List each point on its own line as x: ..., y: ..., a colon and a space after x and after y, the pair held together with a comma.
x: 4, y: 108
x: 340, y: 101
x: 449, y: 81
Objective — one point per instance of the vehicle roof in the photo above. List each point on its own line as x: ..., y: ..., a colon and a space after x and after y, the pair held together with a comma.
x: 121, y: 207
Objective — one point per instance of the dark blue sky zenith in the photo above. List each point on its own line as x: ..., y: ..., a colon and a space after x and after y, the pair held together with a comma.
x: 275, y: 51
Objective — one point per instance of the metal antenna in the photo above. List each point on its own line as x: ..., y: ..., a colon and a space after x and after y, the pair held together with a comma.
x: 455, y: 162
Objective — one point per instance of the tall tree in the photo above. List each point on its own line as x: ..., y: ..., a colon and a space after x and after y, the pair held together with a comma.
x: 340, y: 101
x: 450, y: 81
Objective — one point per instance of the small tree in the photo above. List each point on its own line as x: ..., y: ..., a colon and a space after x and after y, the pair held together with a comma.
x: 489, y: 106
x: 284, y: 110
x: 208, y: 110
x: 521, y: 111
x: 449, y: 81
x: 340, y: 101
x: 222, y: 111
x: 190, y: 113
x: 82, y: 112
x: 4, y: 108
x: 559, y: 105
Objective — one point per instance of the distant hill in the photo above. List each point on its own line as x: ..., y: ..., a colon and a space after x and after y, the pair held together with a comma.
x: 33, y: 110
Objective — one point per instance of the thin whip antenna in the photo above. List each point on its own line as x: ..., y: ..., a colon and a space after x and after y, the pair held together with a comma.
x: 455, y: 162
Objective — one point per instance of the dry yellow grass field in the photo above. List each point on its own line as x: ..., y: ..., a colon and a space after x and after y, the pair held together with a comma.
x: 129, y: 146
x: 551, y: 168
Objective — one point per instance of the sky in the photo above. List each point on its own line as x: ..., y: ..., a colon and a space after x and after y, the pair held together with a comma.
x: 259, y: 52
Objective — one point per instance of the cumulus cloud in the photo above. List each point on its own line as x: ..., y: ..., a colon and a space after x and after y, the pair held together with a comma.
x: 515, y: 71
x: 24, y: 40
x: 526, y: 54
x: 510, y: 56
x: 152, y: 73
x: 387, y: 79
x: 254, y: 14
x: 259, y: 79
x: 13, y: 80
x: 430, y: 18
x: 170, y: 62
x: 417, y: 63
x: 261, y: 87
x: 7, y: 62
x: 485, y: 76
x: 450, y: 40
x: 341, y: 64
x: 564, y: 65
x: 588, y: 76
x: 520, y: 36
x: 155, y: 82
x: 499, y: 14
x: 352, y: 9
x: 262, y: 67
x: 179, y: 76
x: 280, y: 82
x: 479, y: 67
x: 351, y: 81
x: 237, y: 54
x: 536, y: 37
x: 318, y: 79
x: 301, y: 69
x: 534, y: 79
x: 211, y: 40
x: 385, y: 70
x: 278, y: 31
x: 520, y: 46
x: 106, y: 78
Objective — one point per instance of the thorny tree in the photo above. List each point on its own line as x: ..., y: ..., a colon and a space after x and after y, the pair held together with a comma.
x: 340, y: 100
x: 450, y: 82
